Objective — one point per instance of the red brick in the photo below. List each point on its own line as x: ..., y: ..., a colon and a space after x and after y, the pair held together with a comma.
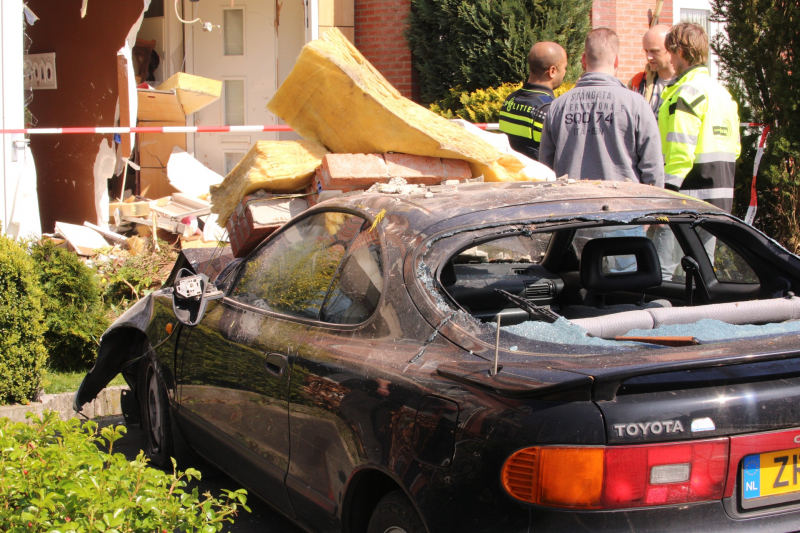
x: 415, y: 169
x: 350, y: 170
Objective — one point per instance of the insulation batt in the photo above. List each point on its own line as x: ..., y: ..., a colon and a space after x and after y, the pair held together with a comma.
x: 275, y: 166
x: 336, y: 97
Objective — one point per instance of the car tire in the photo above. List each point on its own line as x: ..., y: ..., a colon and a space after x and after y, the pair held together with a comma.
x: 395, y: 514
x: 156, y: 424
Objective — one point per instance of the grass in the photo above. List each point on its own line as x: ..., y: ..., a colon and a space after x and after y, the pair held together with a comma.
x: 56, y: 382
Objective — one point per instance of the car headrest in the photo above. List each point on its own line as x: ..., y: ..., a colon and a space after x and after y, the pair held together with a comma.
x: 620, y: 273
x: 447, y: 277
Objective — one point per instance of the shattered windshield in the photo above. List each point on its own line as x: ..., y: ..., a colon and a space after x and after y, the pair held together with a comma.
x: 610, y: 287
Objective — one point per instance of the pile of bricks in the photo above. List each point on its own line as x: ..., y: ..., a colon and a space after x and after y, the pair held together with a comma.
x: 341, y: 173
x: 257, y: 216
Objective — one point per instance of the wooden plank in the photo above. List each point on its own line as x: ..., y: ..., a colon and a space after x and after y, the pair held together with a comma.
x: 188, y: 201
x: 155, y: 106
x: 155, y: 148
x: 81, y: 239
x: 110, y: 235
x: 344, y: 14
x: 157, y: 182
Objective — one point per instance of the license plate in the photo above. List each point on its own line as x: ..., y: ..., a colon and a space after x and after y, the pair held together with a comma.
x: 772, y: 474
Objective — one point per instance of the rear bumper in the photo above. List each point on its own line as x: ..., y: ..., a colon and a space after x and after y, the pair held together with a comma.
x: 707, y: 516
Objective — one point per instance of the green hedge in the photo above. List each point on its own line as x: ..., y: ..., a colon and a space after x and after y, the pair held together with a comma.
x: 482, y: 105
x: 473, y: 44
x: 73, y: 308
x: 22, y: 352
x: 56, y: 479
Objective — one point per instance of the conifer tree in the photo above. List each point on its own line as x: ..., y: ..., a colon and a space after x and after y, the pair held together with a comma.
x: 476, y: 44
x: 760, y: 62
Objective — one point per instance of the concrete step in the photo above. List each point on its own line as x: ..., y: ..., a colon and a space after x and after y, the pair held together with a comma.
x: 107, y: 403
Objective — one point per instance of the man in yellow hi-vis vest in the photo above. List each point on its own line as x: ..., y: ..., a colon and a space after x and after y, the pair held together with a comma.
x: 524, y: 111
x: 698, y: 122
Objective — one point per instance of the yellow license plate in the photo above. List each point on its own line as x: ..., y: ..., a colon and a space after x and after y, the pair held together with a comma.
x: 771, y: 474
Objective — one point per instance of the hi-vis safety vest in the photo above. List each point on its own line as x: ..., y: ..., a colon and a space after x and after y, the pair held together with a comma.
x: 699, y: 126
x: 522, y: 117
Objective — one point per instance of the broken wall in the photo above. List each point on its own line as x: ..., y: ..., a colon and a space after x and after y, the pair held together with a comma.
x: 86, y: 71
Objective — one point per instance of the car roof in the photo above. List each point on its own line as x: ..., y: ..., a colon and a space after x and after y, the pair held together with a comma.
x: 562, y: 198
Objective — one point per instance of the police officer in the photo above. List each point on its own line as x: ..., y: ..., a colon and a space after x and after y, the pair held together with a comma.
x: 698, y: 122
x: 523, y: 112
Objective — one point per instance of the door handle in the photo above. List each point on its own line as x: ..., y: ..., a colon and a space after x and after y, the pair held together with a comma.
x: 276, y: 364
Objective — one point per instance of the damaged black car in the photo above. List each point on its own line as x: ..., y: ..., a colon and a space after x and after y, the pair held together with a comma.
x: 589, y: 356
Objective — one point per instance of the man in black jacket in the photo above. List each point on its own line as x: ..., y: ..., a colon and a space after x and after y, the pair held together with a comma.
x: 524, y: 111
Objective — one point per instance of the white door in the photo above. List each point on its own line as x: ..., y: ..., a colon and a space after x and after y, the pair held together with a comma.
x: 699, y: 11
x: 241, y: 50
x: 19, y: 204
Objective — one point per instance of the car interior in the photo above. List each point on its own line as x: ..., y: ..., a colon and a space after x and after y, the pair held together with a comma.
x: 614, y: 278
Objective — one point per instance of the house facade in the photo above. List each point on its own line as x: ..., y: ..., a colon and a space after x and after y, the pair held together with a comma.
x: 251, y: 45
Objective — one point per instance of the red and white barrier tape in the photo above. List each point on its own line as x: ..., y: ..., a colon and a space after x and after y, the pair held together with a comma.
x: 753, y: 207
x: 751, y: 210
x: 150, y: 129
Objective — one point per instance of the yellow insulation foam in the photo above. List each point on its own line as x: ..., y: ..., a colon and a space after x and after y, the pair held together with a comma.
x: 275, y: 166
x: 336, y: 97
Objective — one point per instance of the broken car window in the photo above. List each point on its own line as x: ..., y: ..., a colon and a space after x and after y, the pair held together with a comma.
x: 729, y: 266
x: 292, y: 273
x: 516, y: 249
x: 355, y: 293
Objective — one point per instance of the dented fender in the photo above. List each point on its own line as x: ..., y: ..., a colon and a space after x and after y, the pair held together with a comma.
x: 118, y: 346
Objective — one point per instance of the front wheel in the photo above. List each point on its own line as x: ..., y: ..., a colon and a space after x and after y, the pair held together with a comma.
x: 155, y: 415
x: 395, y: 514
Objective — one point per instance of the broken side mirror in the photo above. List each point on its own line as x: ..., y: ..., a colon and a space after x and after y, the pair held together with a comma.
x: 190, y: 296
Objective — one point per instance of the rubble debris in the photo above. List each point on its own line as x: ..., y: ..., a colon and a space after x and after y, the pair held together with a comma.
x: 109, y: 235
x: 82, y: 240
x: 336, y: 97
x: 188, y: 175
x: 193, y: 92
x: 257, y: 216
x: 277, y: 166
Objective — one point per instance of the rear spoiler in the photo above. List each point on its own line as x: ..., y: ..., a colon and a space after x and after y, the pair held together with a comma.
x: 521, y: 380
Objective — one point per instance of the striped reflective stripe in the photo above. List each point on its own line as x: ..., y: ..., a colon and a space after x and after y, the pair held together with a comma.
x: 672, y: 179
x: 685, y: 138
x: 521, y: 118
x: 687, y: 88
x: 715, y: 157
x: 537, y: 131
x: 709, y: 194
x: 516, y: 129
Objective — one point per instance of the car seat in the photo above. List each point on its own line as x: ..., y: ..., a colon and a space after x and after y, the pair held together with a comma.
x: 606, y: 269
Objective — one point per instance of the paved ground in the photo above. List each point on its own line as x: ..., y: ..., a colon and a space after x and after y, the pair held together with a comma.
x: 263, y: 518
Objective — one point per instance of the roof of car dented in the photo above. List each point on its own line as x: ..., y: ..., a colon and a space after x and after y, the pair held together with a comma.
x: 563, y: 198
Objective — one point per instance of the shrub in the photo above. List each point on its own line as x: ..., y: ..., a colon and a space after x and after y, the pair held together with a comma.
x: 22, y: 351
x: 482, y: 105
x: 473, y: 44
x: 55, y: 478
x: 127, y: 278
x: 73, y: 308
x: 760, y: 64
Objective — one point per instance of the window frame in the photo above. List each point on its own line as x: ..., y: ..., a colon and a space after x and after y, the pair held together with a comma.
x: 237, y: 275
x: 243, y: 79
x: 242, y: 8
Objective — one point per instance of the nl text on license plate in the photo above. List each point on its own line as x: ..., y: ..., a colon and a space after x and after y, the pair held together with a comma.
x: 771, y: 474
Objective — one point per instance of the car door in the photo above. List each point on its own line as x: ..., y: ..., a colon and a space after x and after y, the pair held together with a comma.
x: 330, y: 384
x: 234, y: 369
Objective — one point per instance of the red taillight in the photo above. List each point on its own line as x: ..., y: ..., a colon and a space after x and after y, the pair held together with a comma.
x: 661, y: 474
x: 619, y: 476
